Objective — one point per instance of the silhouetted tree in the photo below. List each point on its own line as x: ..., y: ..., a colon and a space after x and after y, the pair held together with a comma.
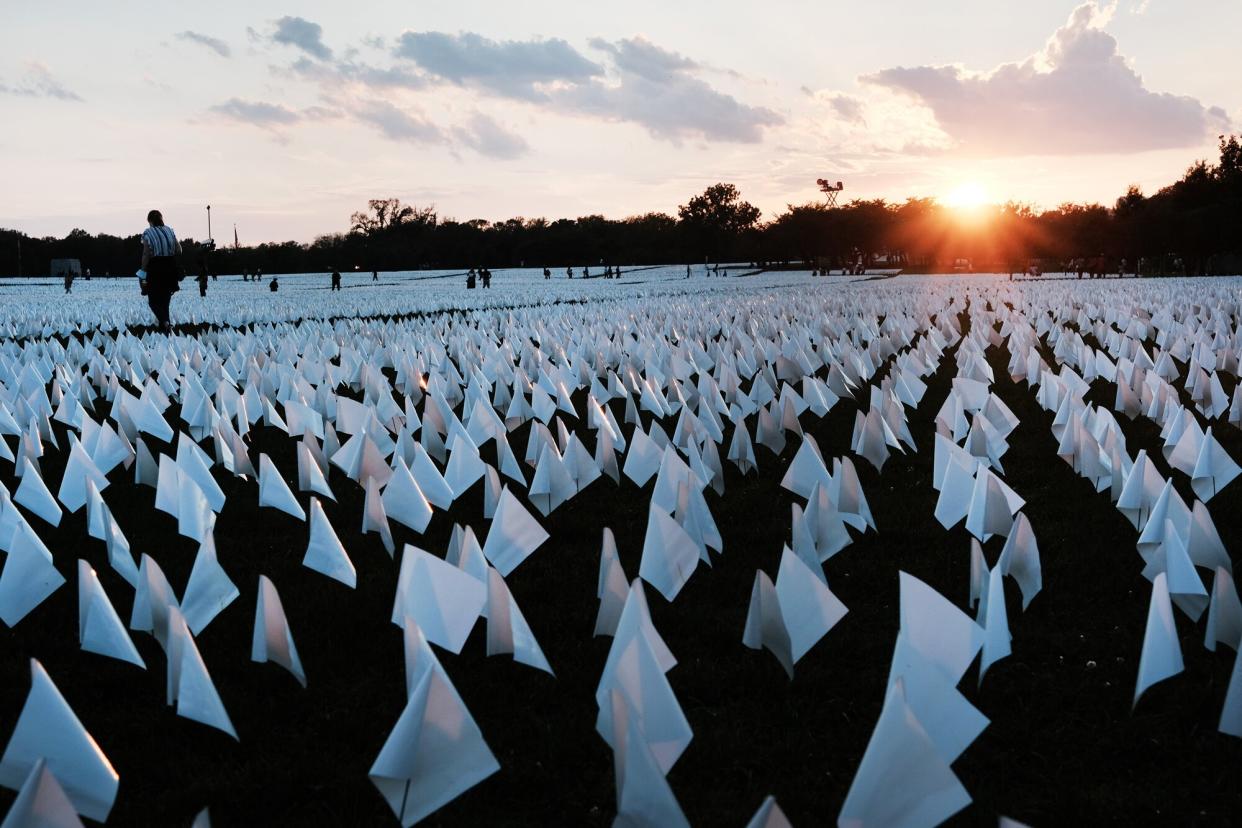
x: 717, y: 217
x: 1194, y: 225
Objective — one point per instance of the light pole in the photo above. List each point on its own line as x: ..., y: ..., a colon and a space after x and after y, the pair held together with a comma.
x: 208, y: 222
x: 830, y: 191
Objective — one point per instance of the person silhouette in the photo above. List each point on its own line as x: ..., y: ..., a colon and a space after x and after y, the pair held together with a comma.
x: 160, y: 272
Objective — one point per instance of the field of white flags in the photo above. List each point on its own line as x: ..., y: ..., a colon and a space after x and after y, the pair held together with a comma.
x: 774, y: 550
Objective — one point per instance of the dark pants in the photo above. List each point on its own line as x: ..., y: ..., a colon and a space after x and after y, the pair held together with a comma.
x: 158, y: 300
x: 163, y: 274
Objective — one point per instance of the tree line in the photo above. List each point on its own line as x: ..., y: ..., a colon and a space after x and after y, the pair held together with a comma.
x: 1192, y: 226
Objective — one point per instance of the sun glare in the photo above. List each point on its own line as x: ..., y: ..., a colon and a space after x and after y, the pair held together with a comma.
x: 969, y: 195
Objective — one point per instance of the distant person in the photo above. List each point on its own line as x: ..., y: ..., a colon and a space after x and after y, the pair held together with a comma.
x: 69, y: 281
x: 273, y: 285
x: 687, y: 271
x: 547, y: 274
x: 486, y: 276
x: 336, y: 280
x: 569, y: 272
x: 470, y: 278
x: 257, y: 276
x: 202, y: 283
x: 88, y: 274
x: 374, y: 275
x: 160, y: 273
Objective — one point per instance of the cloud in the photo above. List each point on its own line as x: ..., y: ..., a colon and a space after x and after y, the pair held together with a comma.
x: 276, y: 119
x: 1078, y: 95
x: 257, y: 113
x: 348, y: 82
x: 38, y: 82
x: 487, y: 137
x: 302, y: 34
x: 510, y: 68
x: 658, y: 89
x: 345, y: 72
x: 480, y: 133
x: 849, y: 108
x: 641, y: 57
x: 637, y: 82
x: 214, y: 44
x: 396, y: 123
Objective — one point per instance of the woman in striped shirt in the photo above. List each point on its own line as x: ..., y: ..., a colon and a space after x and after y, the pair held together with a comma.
x: 160, y: 271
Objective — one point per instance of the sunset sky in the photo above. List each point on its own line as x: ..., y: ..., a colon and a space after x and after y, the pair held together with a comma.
x: 286, y: 118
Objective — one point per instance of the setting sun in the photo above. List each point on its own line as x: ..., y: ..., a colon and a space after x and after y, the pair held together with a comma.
x: 967, y: 196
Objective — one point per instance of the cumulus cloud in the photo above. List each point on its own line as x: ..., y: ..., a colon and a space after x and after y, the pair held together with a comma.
x: 396, y: 123
x: 658, y: 90
x: 213, y: 43
x: 302, y: 34
x: 511, y: 68
x: 636, y: 82
x: 1078, y: 95
x: 38, y: 82
x: 642, y: 83
x: 641, y: 57
x: 337, y: 73
x: 847, y: 107
x: 487, y: 137
x: 258, y: 113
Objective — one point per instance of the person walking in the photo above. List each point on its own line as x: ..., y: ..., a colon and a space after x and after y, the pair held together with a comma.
x: 374, y: 275
x: 160, y: 273
x: 202, y: 283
